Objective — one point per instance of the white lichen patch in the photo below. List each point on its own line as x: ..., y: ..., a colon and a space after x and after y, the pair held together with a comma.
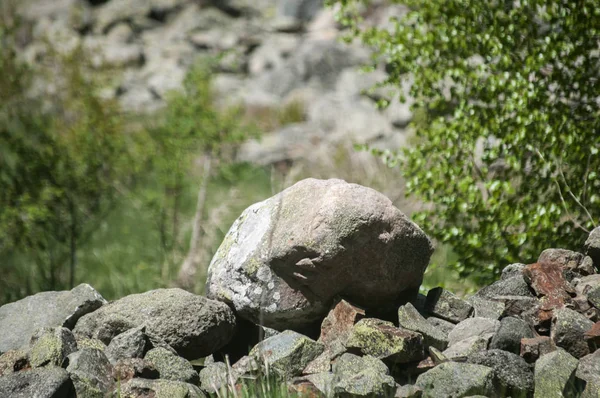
x: 264, y: 275
x: 276, y: 296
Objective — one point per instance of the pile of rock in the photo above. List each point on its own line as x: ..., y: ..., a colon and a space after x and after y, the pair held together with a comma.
x: 314, y: 255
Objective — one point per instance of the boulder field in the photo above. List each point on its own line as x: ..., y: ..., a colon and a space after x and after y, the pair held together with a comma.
x: 318, y: 287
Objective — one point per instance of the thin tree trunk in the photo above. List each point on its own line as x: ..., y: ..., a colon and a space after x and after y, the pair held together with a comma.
x: 73, y: 245
x: 189, y: 268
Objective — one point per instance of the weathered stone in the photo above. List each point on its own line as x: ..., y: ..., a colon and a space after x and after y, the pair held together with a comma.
x: 303, y: 388
x: 51, y: 346
x: 515, y: 306
x: 467, y: 347
x: 589, y: 369
x: 19, y: 320
x: 130, y: 344
x: 592, y: 246
x: 91, y: 373
x: 285, y: 259
x: 568, y: 329
x: 484, y: 308
x: 410, y: 319
x: 337, y: 327
x: 549, y: 283
x: 193, y: 325
x: 142, y: 388
x: 320, y: 364
x: 512, y: 375
x: 514, y: 285
x: 13, y: 361
x: 409, y: 391
x: 382, y: 340
x: 51, y: 382
x: 587, y: 266
x: 509, y: 335
x: 455, y: 379
x: 171, y: 366
x: 565, y: 259
x: 512, y: 270
x: 470, y: 327
x: 246, y: 366
x: 443, y: 325
x: 322, y: 382
x: 362, y: 377
x: 214, y: 377
x: 592, y: 336
x: 287, y: 354
x: 86, y: 342
x: 446, y: 305
x: 554, y: 375
x: 533, y: 348
x: 128, y: 368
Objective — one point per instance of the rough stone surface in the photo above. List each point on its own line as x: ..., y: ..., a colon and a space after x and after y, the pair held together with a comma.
x: 127, y: 368
x: 509, y: 335
x: 554, y: 374
x: 533, y: 348
x: 589, y: 368
x: 51, y: 346
x: 193, y: 325
x: 549, y: 283
x: 143, y: 388
x: 91, y: 373
x: 444, y: 304
x: 362, y: 377
x: 384, y: 341
x: 484, y: 308
x: 443, y: 325
x: 284, y: 259
x: 592, y: 246
x: 318, y: 384
x: 568, y: 329
x: 512, y: 270
x: 465, y: 348
x: 455, y: 379
x: 19, y: 320
x: 512, y: 285
x: 337, y: 327
x: 287, y: 354
x: 13, y: 361
x: 512, y: 375
x: 592, y: 336
x: 470, y: 327
x: 408, y: 391
x: 171, y: 366
x: 129, y: 344
x: 410, y: 319
x: 50, y: 382
x: 213, y: 377
x: 566, y: 259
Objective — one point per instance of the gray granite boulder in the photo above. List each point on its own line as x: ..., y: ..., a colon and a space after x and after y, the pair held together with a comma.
x: 473, y: 327
x: 214, y: 377
x: 410, y: 319
x: 171, y: 366
x: 143, y: 388
x: 512, y: 375
x: 555, y: 375
x: 285, y: 259
x: 19, y: 320
x: 592, y: 246
x: 49, y: 382
x: 509, y: 335
x: 589, y: 368
x: 365, y: 376
x: 130, y: 344
x: 51, y: 346
x: 444, y: 304
x: 568, y: 329
x: 91, y: 373
x: 192, y: 325
x: 456, y: 379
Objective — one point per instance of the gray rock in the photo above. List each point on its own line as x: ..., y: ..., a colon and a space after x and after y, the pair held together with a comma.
x: 511, y: 286
x: 19, y: 320
x: 384, y: 341
x: 592, y: 246
x: 512, y: 270
x: 513, y: 376
x: 49, y: 382
x: 589, y: 368
x: 86, y: 342
x: 193, y: 325
x: 470, y: 327
x: 51, y: 346
x: 408, y: 391
x: 366, y: 376
x: 509, y: 335
x: 171, y: 366
x: 294, y: 12
x: 446, y: 305
x: 484, y: 308
x: 554, y: 375
x: 128, y: 368
x: 91, y: 373
x: 319, y: 383
x: 568, y: 328
x: 410, y: 319
x: 13, y: 361
x: 141, y: 388
x: 566, y: 259
x: 130, y: 344
x: 467, y: 347
x: 455, y: 379
x: 441, y: 324
x: 285, y: 259
x: 286, y: 354
x: 214, y: 377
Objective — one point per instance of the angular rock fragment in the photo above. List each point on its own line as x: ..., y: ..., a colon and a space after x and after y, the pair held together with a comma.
x: 337, y: 327
x: 512, y: 375
x: 51, y: 381
x: 172, y: 367
x: 592, y: 246
x: 130, y: 344
x: 512, y: 270
x: 91, y: 373
x: 589, y: 369
x: 382, y: 340
x: 509, y: 335
x: 485, y: 308
x: 592, y: 336
x: 19, y: 320
x: 143, y: 388
x: 568, y: 330
x: 193, y: 325
x: 409, y: 391
x: 549, y: 283
x: 51, y: 346
x: 286, y: 354
x: 456, y: 379
x: 86, y: 342
x: 464, y: 348
x: 555, y: 374
x: 285, y: 259
x: 533, y: 348
x: 443, y: 304
x: 444, y: 326
x: 514, y: 285
x: 565, y: 259
x: 366, y: 376
x: 410, y: 319
x: 13, y: 361
x: 470, y: 327
x: 128, y: 368
x: 214, y: 377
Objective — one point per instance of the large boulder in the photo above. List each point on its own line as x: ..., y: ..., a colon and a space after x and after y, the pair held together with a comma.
x: 21, y: 319
x: 193, y: 325
x: 52, y: 382
x: 286, y: 258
